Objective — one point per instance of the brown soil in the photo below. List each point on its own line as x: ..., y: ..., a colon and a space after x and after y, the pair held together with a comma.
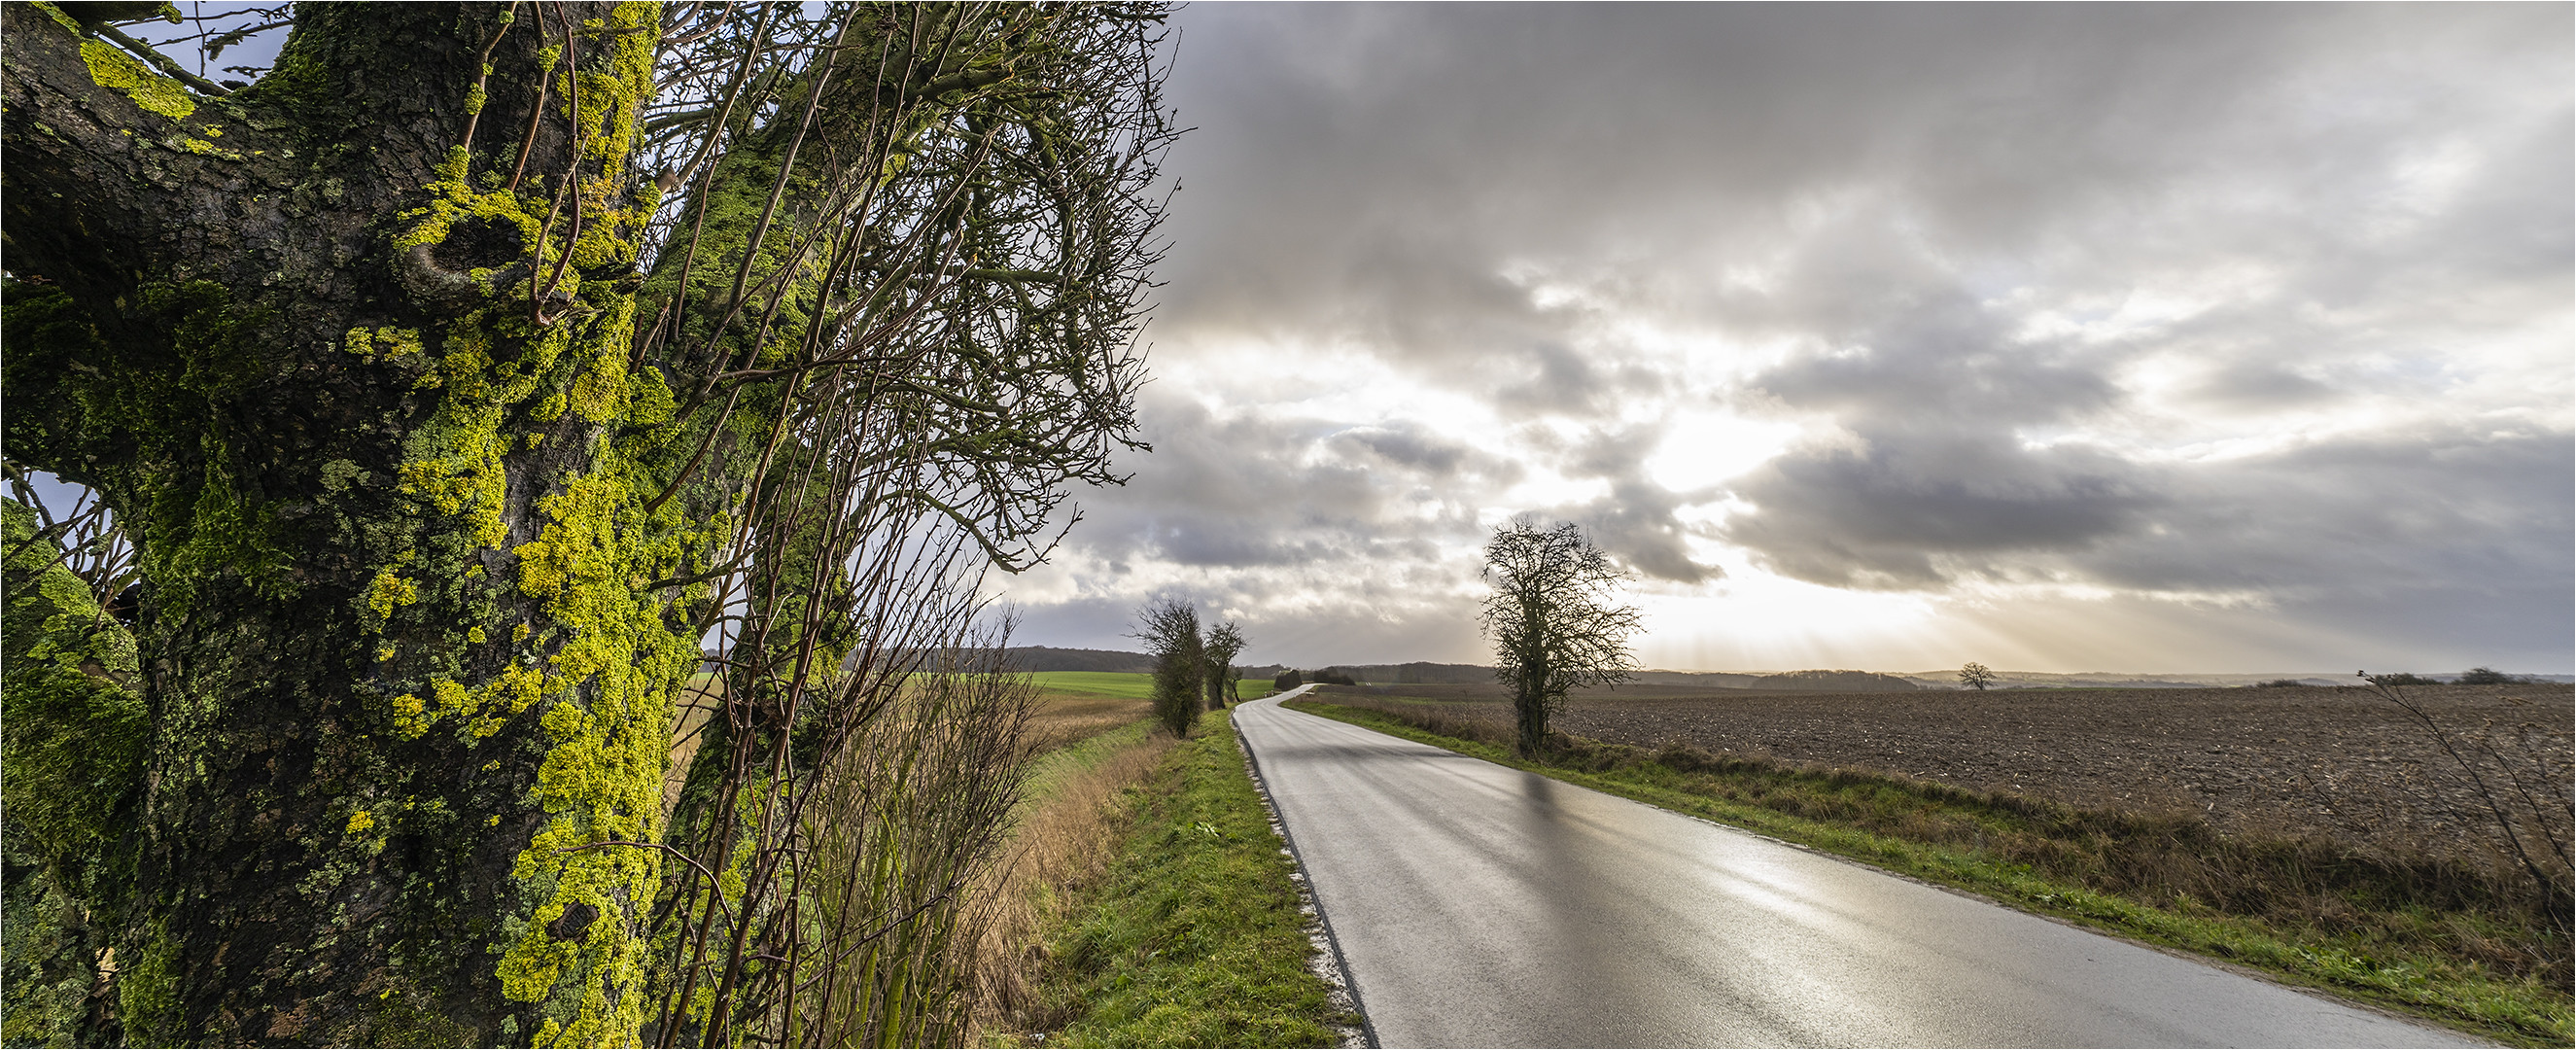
x: 2340, y: 763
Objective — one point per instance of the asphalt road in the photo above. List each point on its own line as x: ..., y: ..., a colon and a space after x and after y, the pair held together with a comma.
x: 1478, y: 905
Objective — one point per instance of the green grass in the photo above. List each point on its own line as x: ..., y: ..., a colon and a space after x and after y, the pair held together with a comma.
x: 1048, y: 770
x: 1099, y: 683
x: 2097, y: 869
x: 1195, y: 938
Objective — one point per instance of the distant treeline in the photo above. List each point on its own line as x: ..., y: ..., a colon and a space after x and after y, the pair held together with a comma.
x: 1035, y: 658
x: 1045, y: 658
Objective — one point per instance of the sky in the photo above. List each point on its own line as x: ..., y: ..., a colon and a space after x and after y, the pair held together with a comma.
x: 2218, y: 339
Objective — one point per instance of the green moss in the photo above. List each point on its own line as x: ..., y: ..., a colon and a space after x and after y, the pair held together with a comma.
x: 147, y: 994
x: 75, y: 730
x: 112, y: 68
x: 577, y: 691
x: 45, y: 954
x: 73, y: 735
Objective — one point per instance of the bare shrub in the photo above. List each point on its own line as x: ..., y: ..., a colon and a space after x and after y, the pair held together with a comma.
x: 2520, y: 788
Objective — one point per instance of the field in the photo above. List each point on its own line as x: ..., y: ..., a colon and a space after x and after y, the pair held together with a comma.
x: 2334, y: 763
x: 1064, y: 716
x: 1097, y: 683
x: 1072, y: 706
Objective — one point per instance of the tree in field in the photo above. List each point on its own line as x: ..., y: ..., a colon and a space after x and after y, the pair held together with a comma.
x: 1219, y: 649
x: 1975, y: 676
x: 1287, y: 680
x: 453, y: 383
x: 1552, y: 620
x: 1170, y: 631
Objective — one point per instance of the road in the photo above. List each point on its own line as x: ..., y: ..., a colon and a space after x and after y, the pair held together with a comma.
x: 1478, y: 905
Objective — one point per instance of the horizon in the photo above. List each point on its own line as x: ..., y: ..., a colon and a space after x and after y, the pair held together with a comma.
x: 1791, y: 670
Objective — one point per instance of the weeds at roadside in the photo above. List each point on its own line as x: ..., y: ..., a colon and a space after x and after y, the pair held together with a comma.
x: 1193, y: 936
x: 1077, y: 812
x: 2457, y: 942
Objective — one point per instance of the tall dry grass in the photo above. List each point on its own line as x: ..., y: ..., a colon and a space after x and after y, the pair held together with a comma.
x: 1067, y: 833
x: 1063, y: 719
x: 905, y: 829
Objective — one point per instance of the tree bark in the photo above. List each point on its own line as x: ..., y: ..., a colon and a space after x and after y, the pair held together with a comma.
x: 360, y: 389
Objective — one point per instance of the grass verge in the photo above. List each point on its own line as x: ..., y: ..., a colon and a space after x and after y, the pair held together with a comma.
x: 2357, y: 927
x: 1069, y: 826
x: 1194, y: 936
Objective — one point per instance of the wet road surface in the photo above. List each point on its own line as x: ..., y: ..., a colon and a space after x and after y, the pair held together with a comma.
x: 1478, y: 905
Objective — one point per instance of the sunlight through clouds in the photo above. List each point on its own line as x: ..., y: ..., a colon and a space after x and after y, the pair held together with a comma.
x: 2203, y: 339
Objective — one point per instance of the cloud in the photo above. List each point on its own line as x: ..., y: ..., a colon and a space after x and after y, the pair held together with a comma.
x: 1922, y: 513
x: 2180, y: 315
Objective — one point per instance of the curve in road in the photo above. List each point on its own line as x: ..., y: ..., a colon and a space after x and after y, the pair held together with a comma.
x: 1479, y: 905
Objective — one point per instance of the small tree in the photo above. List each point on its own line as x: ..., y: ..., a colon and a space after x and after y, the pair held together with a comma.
x: 1223, y: 642
x: 1975, y: 676
x: 2489, y: 676
x: 1287, y: 680
x: 1551, y: 620
x: 1170, y: 631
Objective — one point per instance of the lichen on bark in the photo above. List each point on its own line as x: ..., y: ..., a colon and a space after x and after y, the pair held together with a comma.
x: 72, y: 735
x: 399, y: 654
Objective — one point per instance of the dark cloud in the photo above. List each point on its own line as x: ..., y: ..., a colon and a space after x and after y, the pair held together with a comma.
x: 1408, y: 445
x: 1256, y: 492
x: 1918, y: 511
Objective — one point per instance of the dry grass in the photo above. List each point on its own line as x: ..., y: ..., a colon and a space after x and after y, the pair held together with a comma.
x: 698, y: 700
x: 1068, y: 832
x: 1063, y: 718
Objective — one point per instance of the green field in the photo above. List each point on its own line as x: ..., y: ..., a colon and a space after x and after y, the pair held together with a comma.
x: 1098, y: 683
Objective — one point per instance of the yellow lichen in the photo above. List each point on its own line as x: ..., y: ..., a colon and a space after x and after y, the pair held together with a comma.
x: 204, y: 148
x: 389, y: 590
x: 409, y: 722
x: 114, y: 69
x: 360, y: 821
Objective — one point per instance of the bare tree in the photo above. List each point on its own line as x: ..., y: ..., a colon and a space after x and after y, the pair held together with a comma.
x: 1170, y: 630
x: 1222, y: 643
x: 1975, y: 676
x: 1552, y: 620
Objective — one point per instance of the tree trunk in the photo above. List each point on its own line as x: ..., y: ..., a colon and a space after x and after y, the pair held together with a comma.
x: 1530, y: 717
x: 348, y: 352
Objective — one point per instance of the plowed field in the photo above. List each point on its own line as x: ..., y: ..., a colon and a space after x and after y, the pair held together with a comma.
x: 2340, y: 763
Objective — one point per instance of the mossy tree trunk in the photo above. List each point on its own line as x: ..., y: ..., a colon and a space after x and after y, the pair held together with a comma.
x: 349, y: 353
x: 426, y: 479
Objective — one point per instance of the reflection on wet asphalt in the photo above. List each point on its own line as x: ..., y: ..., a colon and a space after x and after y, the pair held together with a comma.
x: 1478, y: 905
